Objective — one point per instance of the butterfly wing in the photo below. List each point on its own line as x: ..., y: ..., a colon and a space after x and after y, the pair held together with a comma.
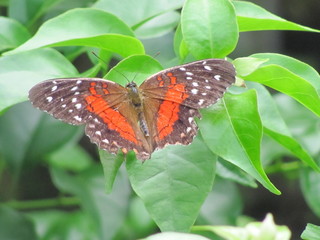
x: 111, y: 121
x: 182, y: 90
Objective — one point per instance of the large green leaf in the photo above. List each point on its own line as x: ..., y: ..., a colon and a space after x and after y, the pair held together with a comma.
x: 290, y: 77
x: 98, y: 29
x: 174, y: 183
x: 276, y: 128
x: 12, y: 34
x: 233, y: 130
x: 135, y: 12
x: 209, y: 28
x: 19, y: 72
x: 106, y: 211
x: 252, y: 17
x: 15, y: 226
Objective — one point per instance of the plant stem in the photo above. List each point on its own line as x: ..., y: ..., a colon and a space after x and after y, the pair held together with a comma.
x: 45, y: 203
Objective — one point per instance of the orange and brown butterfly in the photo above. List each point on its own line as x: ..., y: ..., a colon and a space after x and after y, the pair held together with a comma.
x: 141, y: 118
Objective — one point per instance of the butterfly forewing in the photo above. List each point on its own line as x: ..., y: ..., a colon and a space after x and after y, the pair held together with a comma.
x: 183, y: 90
x: 196, y: 85
x: 65, y: 98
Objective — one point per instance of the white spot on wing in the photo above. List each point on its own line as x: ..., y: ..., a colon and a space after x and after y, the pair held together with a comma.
x: 76, y: 93
x: 217, y: 77
x: 189, y: 129
x: 77, y: 118
x: 78, y: 105
x: 63, y: 105
x: 207, y: 68
x: 54, y: 88
x: 195, y: 84
x: 49, y: 99
x: 70, y: 110
x: 201, y: 101
x: 208, y: 87
x: 182, y: 69
x: 96, y: 120
x: 105, y: 141
x: 74, y: 88
x: 204, y: 93
x: 204, y: 62
x: 74, y: 100
x: 189, y: 78
x: 190, y: 119
x: 98, y: 133
x: 194, y: 91
x: 78, y: 82
x: 189, y: 73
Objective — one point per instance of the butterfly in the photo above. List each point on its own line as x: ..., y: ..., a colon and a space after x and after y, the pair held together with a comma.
x: 141, y: 118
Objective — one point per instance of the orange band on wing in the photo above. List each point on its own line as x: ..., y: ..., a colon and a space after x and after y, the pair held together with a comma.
x: 169, y: 111
x: 114, y: 120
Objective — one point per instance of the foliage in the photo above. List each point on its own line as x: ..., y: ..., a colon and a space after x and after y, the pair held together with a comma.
x: 44, y: 39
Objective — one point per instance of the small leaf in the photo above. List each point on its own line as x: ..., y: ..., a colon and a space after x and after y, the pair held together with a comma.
x: 252, y: 17
x: 111, y: 164
x: 312, y: 232
x: 209, y: 28
x: 234, y: 131
x: 174, y: 183
x: 247, y: 65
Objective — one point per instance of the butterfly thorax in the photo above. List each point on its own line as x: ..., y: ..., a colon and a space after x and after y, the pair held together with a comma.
x: 137, y: 102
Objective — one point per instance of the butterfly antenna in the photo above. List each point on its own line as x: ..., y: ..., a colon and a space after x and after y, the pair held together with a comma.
x: 155, y: 55
x: 113, y: 69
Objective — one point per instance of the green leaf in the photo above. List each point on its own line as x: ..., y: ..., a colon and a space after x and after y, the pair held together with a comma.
x: 229, y: 171
x: 26, y: 135
x: 175, y: 236
x: 111, y: 164
x: 71, y: 225
x: 276, y: 128
x: 106, y: 211
x: 70, y: 157
x: 15, y: 226
x: 247, y: 65
x: 28, y: 11
x: 18, y: 73
x: 134, y: 68
x: 174, y: 183
x: 12, y: 33
x: 252, y: 17
x: 143, y: 9
x: 209, y: 28
x: 233, y: 130
x: 312, y: 232
x: 223, y: 205
x: 310, y: 186
x: 282, y: 79
x: 179, y: 45
x: 158, y: 25
x: 64, y: 30
x: 299, y: 68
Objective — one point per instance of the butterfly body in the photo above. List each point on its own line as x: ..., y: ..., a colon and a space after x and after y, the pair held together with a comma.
x: 141, y: 118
